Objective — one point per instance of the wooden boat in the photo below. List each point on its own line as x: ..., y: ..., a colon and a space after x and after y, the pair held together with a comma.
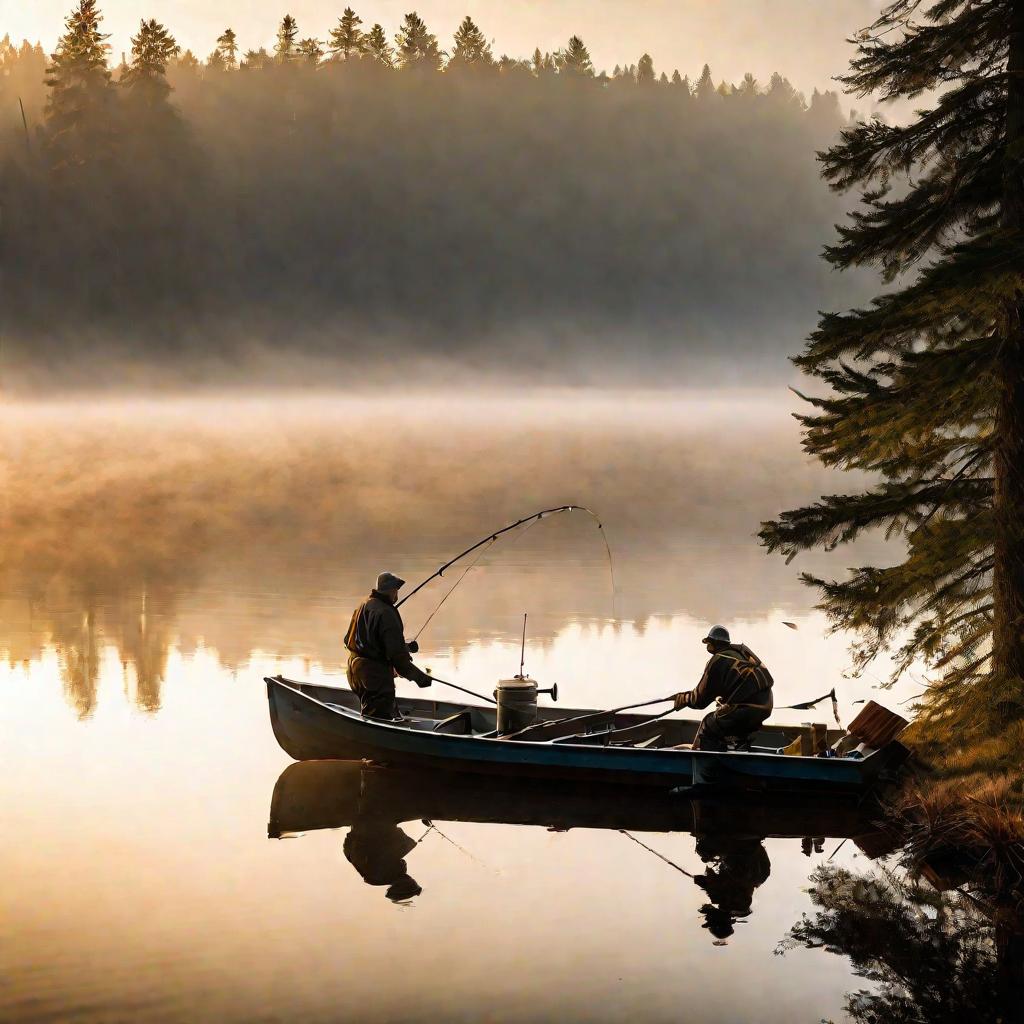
x: 314, y: 722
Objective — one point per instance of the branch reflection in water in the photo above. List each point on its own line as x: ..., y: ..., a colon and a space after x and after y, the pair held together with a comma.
x: 930, y: 954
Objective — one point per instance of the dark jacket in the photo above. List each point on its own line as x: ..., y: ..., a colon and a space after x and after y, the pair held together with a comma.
x: 376, y: 632
x: 733, y: 675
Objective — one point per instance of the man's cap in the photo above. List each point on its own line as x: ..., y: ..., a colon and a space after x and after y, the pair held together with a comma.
x: 717, y: 635
x: 389, y: 581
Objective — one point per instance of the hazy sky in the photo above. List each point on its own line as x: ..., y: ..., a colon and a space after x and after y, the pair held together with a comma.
x: 803, y: 39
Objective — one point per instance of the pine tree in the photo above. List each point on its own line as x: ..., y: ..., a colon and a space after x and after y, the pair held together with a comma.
x: 705, y: 88
x: 256, y: 60
x: 507, y: 65
x: 542, y: 65
x: 927, y: 384
x: 575, y: 59
x: 153, y: 48
x: 824, y: 110
x: 471, y: 48
x: 645, y: 70
x: 347, y: 39
x: 782, y: 94
x: 417, y: 48
x: 215, y: 63
x: 187, y: 61
x: 749, y: 87
x: 285, y: 48
x: 663, y: 79
x: 377, y: 47
x: 677, y: 79
x: 310, y: 51
x: 227, y: 47
x: 79, y: 108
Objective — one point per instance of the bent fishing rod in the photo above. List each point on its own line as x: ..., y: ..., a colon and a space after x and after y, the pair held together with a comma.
x: 491, y: 537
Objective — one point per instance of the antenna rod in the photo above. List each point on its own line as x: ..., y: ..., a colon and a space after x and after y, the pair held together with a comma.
x: 522, y: 650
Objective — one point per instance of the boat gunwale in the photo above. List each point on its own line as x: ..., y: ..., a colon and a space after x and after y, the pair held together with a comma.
x: 857, y: 773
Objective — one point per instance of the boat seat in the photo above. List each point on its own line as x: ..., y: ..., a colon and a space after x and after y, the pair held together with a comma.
x: 644, y: 744
x: 600, y: 737
x: 633, y: 735
x: 459, y: 724
x: 542, y: 731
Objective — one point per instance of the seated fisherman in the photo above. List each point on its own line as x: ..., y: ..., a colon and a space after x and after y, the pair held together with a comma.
x: 378, y: 651
x: 738, y: 680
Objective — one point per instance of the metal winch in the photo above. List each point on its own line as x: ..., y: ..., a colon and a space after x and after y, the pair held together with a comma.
x: 517, y: 703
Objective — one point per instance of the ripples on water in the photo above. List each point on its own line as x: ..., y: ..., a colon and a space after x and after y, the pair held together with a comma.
x: 160, y: 557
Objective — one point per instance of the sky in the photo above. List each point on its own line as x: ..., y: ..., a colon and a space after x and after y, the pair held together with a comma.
x: 803, y: 39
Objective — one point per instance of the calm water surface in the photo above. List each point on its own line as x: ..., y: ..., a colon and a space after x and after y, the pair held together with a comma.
x: 160, y: 557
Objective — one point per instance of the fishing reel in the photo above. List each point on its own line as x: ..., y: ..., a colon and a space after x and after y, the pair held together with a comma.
x: 412, y: 646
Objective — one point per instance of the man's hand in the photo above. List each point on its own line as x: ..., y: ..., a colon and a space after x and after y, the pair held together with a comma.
x: 682, y: 700
x: 423, y: 680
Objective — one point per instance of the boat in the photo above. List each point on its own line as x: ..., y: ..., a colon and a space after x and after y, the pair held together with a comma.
x: 315, y: 722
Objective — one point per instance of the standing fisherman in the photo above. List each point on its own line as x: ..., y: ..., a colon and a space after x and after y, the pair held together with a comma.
x: 740, y: 682
x: 378, y: 651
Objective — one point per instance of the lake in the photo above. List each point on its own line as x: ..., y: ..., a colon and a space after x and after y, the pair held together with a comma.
x: 164, y: 863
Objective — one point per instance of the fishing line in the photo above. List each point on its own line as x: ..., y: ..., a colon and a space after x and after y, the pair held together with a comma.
x: 490, y: 539
x: 451, y: 590
x: 522, y: 533
x: 462, y: 849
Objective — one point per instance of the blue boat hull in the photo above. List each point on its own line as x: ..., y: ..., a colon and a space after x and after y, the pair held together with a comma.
x: 309, y: 727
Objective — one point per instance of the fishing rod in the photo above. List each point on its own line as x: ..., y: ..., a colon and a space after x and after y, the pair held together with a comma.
x: 491, y: 537
x: 805, y: 706
x: 479, y: 696
x: 660, y: 856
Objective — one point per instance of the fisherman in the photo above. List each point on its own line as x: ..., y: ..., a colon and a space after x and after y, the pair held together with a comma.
x: 740, y: 682
x: 378, y: 651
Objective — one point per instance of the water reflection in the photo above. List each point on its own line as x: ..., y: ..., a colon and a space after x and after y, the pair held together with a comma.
x: 245, y: 526
x: 374, y: 803
x: 376, y: 848
x: 938, y: 956
x: 736, y: 866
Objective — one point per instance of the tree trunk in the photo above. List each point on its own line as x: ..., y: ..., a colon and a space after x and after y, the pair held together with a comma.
x: 1008, y: 581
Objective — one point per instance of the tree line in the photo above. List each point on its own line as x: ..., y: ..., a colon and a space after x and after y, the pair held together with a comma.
x: 367, y: 194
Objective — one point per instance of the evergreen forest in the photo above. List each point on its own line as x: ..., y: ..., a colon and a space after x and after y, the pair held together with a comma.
x: 384, y: 193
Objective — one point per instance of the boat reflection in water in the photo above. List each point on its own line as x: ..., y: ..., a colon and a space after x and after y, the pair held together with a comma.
x: 374, y: 803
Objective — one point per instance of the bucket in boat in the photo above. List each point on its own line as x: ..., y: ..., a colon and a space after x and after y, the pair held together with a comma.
x: 517, y: 704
